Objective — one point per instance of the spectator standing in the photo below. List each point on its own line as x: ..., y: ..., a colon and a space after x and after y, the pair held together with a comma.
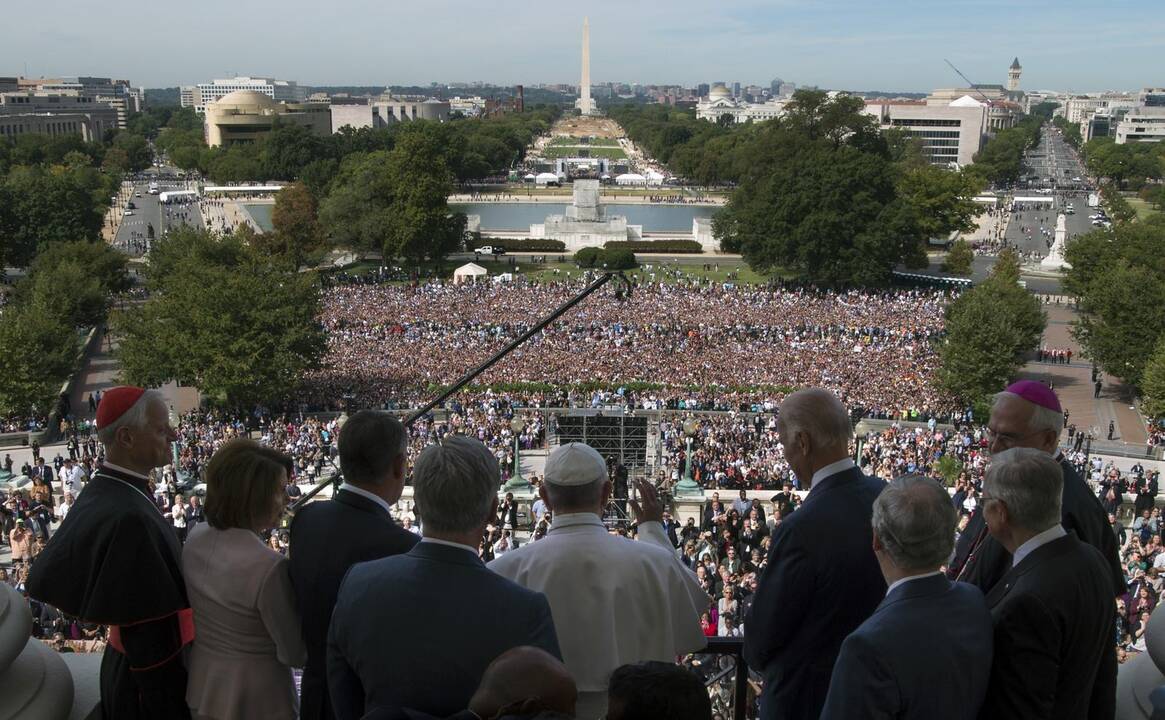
x: 329, y: 537
x: 1053, y: 610
x: 1028, y: 414
x: 822, y: 579
x: 20, y: 538
x: 615, y: 600
x: 178, y: 512
x: 434, y: 658
x: 244, y: 607
x: 880, y: 673
x: 115, y: 561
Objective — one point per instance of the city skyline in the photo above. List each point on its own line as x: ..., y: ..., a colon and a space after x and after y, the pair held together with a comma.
x: 846, y: 44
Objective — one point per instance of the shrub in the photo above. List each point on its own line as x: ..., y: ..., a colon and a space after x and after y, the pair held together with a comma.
x: 590, y: 257
x: 679, y: 247
x: 619, y: 259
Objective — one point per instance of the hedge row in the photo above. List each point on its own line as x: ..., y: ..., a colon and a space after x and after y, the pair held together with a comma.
x: 610, y: 258
x: 657, y: 246
x: 523, y: 244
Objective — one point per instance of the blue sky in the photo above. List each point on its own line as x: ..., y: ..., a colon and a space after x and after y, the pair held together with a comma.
x: 839, y: 44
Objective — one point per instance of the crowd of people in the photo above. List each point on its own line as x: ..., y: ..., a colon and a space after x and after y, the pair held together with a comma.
x: 729, y: 550
x: 873, y: 348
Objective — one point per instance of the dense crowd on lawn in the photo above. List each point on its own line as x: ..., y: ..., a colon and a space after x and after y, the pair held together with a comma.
x: 391, y: 344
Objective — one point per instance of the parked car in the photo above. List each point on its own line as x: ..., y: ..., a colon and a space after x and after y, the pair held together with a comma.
x: 490, y: 250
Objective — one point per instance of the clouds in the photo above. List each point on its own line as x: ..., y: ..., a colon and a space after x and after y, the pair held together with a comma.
x: 852, y: 44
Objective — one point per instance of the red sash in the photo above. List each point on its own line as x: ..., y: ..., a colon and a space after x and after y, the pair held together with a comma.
x: 185, y: 630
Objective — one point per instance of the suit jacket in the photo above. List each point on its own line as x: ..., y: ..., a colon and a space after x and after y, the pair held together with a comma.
x: 1081, y: 511
x: 1054, y: 627
x: 418, y: 630
x: 328, y: 538
x: 821, y: 582
x: 925, y: 653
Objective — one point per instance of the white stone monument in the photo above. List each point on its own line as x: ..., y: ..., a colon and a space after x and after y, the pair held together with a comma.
x: 1055, y: 260
x: 585, y: 223
x: 585, y: 104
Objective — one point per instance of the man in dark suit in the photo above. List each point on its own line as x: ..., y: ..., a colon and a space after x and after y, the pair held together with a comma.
x: 1055, y: 655
x: 881, y: 672
x: 418, y: 630
x: 327, y: 538
x: 1028, y: 414
x: 822, y: 579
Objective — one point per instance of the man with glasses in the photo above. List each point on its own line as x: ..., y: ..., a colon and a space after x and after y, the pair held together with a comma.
x: 1028, y: 414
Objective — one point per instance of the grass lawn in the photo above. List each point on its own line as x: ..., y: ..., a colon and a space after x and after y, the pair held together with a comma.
x: 663, y: 269
x: 1143, y: 208
x: 595, y: 142
x: 557, y: 151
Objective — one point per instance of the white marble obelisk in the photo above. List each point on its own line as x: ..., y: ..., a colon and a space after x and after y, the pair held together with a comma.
x: 585, y: 104
x: 1055, y: 259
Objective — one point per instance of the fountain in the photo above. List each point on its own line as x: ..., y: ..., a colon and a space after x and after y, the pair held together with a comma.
x: 585, y: 223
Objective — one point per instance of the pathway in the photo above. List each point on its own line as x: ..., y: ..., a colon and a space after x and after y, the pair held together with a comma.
x: 1073, y: 384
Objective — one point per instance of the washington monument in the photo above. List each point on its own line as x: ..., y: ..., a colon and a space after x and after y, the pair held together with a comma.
x: 584, y: 103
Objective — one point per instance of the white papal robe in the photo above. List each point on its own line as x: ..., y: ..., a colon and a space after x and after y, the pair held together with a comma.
x: 614, y: 600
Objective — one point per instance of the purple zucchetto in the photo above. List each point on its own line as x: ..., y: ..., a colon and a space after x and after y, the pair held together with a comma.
x: 1036, y: 393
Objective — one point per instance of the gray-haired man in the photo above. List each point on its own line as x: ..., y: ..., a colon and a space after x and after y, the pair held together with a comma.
x: 418, y: 630
x: 1055, y: 655
x: 881, y: 671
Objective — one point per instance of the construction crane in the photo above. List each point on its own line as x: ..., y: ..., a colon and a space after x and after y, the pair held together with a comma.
x: 970, y: 84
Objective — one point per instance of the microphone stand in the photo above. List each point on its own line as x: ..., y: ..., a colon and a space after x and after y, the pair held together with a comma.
x: 623, y: 293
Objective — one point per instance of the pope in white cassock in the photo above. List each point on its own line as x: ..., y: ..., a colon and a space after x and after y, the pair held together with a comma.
x: 614, y: 600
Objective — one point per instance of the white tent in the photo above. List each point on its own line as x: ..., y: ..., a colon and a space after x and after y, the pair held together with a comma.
x: 630, y: 179
x: 530, y: 177
x: 469, y: 272
x: 654, y: 178
x: 546, y: 178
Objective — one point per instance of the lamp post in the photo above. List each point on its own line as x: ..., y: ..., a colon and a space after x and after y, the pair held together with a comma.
x: 516, y: 481
x: 688, y: 486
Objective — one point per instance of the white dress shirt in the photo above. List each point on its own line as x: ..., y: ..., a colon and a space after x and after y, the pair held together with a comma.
x: 1053, y: 533
x: 831, y: 469
x: 450, y: 543
x: 907, y: 579
x: 365, y: 494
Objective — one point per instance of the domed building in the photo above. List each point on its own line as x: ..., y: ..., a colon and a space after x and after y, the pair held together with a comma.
x: 244, y: 116
x: 720, y: 103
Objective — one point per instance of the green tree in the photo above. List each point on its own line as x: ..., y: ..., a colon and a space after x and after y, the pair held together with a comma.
x: 42, y: 206
x: 959, y: 258
x: 942, y: 199
x: 356, y: 212
x: 296, y: 233
x: 1153, y: 383
x: 1119, y: 277
x: 39, y: 352
x: 240, y: 329
x: 989, y: 331
x: 820, y: 198
x: 69, y: 292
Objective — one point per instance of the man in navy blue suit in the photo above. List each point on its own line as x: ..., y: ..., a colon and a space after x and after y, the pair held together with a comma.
x: 328, y: 538
x: 418, y: 630
x: 822, y: 580
x: 926, y: 651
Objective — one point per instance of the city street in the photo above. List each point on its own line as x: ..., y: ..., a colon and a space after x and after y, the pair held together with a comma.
x: 133, y: 234
x: 1056, y: 165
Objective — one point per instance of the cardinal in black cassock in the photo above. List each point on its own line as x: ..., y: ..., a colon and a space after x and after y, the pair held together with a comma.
x: 115, y: 561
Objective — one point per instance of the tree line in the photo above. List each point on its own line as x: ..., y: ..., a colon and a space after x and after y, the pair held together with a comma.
x: 476, y: 148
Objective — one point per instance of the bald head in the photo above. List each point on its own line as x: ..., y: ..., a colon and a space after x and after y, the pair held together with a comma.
x: 818, y: 413
x: 525, y: 680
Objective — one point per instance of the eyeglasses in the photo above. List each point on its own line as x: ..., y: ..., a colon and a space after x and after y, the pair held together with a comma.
x: 1008, y: 439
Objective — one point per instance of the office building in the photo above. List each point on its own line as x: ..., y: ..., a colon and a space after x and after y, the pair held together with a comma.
x: 1142, y: 124
x: 26, y: 112
x: 199, y: 96
x: 950, y: 135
